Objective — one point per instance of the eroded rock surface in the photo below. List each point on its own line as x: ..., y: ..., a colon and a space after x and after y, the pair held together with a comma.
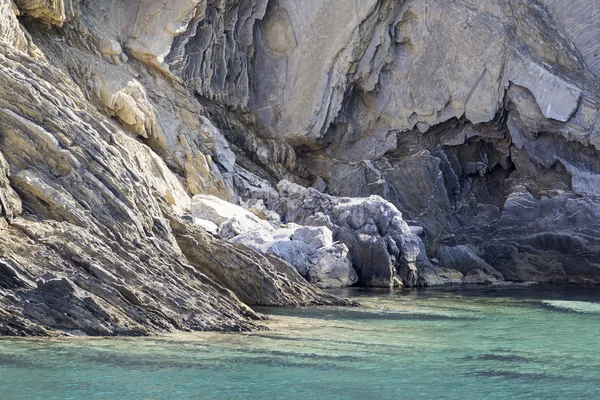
x: 383, y: 248
x: 86, y: 244
x: 467, y: 123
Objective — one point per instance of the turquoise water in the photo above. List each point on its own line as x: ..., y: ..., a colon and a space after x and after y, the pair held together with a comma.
x: 478, y: 343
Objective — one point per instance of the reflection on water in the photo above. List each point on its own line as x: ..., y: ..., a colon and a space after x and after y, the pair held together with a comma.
x: 463, y: 343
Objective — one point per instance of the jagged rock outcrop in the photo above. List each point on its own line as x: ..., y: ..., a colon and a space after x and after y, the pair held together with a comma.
x: 383, y: 248
x: 463, y: 260
x: 445, y: 109
x: 309, y: 249
x: 87, y: 203
x: 270, y: 281
x: 442, y: 108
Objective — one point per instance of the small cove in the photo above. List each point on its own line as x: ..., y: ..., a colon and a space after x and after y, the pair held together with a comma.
x: 489, y: 342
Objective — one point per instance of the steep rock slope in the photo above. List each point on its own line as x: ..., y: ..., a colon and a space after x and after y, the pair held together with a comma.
x: 86, y: 243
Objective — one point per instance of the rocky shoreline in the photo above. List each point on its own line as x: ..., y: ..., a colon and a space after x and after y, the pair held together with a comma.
x: 164, y: 166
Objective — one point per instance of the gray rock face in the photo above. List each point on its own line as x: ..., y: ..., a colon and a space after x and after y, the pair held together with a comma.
x: 547, y: 239
x: 10, y: 203
x: 325, y: 267
x: 437, y: 133
x: 578, y: 21
x: 436, y: 276
x: 478, y: 276
x: 10, y: 29
x: 310, y: 249
x: 269, y: 282
x: 216, y: 210
x: 332, y: 268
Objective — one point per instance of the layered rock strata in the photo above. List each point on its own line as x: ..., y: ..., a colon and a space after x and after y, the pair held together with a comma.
x: 90, y: 238
x: 445, y: 142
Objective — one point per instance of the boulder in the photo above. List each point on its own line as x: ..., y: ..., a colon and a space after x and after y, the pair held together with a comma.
x: 232, y: 220
x: 478, y: 276
x: 216, y: 210
x: 326, y: 267
x: 255, y: 278
x: 463, y: 259
x: 315, y: 236
x: 241, y: 224
x: 205, y: 224
x: 294, y: 252
x: 259, y: 239
x: 285, y: 232
x: 370, y: 257
x: 382, y: 247
x: 258, y: 208
x: 331, y: 268
x: 310, y: 249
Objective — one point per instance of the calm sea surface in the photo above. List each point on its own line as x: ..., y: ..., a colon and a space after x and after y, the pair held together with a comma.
x: 515, y: 342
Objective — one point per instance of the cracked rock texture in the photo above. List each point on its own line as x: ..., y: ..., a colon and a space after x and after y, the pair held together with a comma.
x: 92, y: 187
x: 461, y: 131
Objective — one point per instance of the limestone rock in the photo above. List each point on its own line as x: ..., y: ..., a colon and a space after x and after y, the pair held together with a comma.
x: 132, y: 107
x: 216, y: 210
x: 270, y: 282
x: 309, y: 249
x: 295, y: 252
x: 382, y: 247
x: 155, y: 26
x: 95, y: 252
x: 260, y: 240
x: 10, y: 203
x: 491, y: 143
x: 546, y: 239
x: 326, y: 267
x: 239, y: 225
x: 331, y: 268
x: 316, y: 237
x: 110, y: 47
x: 437, y: 276
x: 52, y: 11
x: 205, y: 224
x: 258, y: 208
x: 10, y: 30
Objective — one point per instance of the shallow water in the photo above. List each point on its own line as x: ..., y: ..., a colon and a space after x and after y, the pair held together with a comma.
x: 465, y: 343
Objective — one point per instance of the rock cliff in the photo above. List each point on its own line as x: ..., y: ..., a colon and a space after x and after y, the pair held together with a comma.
x: 444, y: 142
